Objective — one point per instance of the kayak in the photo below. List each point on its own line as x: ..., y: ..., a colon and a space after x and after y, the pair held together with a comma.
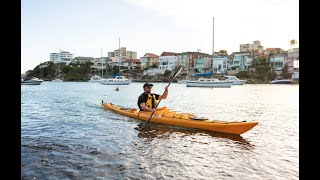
x: 173, y: 118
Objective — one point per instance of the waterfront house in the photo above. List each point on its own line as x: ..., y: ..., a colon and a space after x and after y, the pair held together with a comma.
x: 277, y: 62
x: 241, y: 61
x: 293, y: 62
x: 149, y: 59
x: 271, y: 51
x: 117, y: 62
x: 165, y: 53
x: 132, y: 63
x: 61, y: 57
x: 203, y: 65
x: 220, y: 64
x: 82, y: 59
x: 187, y: 60
x: 123, y: 53
x: 99, y: 63
x: 168, y: 62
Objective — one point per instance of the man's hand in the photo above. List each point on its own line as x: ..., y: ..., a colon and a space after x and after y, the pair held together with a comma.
x: 166, y: 88
x: 153, y: 109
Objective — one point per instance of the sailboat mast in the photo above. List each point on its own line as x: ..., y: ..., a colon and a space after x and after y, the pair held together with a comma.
x: 119, y: 56
x: 213, y: 39
x: 59, y: 69
x: 101, y: 59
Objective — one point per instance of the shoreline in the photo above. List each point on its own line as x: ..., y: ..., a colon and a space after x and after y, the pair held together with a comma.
x: 175, y: 81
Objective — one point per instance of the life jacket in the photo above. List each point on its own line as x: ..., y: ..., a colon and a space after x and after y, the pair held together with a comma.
x: 151, y: 101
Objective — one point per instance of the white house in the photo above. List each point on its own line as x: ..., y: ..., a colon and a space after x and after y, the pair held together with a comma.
x: 220, y: 64
x: 99, y: 63
x: 293, y: 62
x: 62, y: 57
x: 168, y: 62
x: 117, y: 62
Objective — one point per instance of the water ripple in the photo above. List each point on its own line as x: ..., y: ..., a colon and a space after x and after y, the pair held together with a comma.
x: 67, y: 135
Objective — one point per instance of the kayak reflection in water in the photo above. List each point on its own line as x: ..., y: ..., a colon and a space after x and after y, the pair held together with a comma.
x: 147, y: 101
x: 165, y: 132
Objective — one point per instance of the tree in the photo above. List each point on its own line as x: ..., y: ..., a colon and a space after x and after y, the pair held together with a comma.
x: 243, y: 74
x: 261, y: 72
x: 154, y: 65
x: 48, y: 70
x: 271, y: 75
x: 293, y: 42
x: 223, y: 53
x: 166, y: 75
x: 254, y: 59
x: 285, y: 73
x: 115, y: 69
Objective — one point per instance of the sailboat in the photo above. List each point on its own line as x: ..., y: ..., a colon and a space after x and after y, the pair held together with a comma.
x: 58, y: 79
x: 209, y: 82
x: 96, y: 78
x: 118, y: 80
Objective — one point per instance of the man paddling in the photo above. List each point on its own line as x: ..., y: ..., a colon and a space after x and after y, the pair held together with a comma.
x: 147, y: 101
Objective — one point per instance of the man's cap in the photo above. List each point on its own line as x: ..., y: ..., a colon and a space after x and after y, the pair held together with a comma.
x: 147, y: 84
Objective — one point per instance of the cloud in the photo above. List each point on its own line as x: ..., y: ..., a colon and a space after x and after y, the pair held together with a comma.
x: 235, y: 21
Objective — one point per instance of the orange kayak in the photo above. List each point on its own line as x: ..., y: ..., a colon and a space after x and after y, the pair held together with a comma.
x: 173, y: 118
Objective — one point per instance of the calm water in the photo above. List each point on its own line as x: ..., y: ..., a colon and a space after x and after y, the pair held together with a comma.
x: 67, y: 135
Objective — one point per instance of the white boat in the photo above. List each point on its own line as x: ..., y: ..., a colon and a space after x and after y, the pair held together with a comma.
x: 96, y: 79
x: 281, y: 81
x: 235, y: 80
x: 118, y: 80
x: 32, y: 81
x: 206, y: 82
x: 57, y: 80
x: 181, y: 81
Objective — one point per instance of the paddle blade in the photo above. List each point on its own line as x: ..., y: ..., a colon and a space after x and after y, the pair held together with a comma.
x: 142, y: 127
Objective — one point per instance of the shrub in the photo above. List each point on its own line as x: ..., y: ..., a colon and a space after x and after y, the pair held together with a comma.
x: 243, y: 74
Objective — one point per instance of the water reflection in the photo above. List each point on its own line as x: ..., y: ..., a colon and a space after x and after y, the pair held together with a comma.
x: 159, y: 131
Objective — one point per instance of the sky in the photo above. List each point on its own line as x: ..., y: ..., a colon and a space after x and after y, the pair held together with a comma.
x: 84, y: 27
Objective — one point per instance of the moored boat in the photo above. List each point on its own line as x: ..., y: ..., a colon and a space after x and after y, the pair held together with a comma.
x: 96, y: 79
x: 57, y: 80
x: 207, y: 82
x: 32, y: 81
x: 235, y: 80
x: 166, y: 116
x: 118, y: 80
x: 281, y: 81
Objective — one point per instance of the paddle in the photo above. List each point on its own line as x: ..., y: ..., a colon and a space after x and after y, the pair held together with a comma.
x: 177, y: 71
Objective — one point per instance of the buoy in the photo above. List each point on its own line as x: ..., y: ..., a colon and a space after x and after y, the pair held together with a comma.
x: 117, y: 89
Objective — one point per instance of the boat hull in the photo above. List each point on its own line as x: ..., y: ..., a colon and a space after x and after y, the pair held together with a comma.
x: 281, y: 82
x: 239, y: 82
x: 115, y: 82
x: 31, y: 83
x: 57, y: 80
x: 95, y: 80
x: 181, y: 81
x: 207, y: 84
x: 165, y: 116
